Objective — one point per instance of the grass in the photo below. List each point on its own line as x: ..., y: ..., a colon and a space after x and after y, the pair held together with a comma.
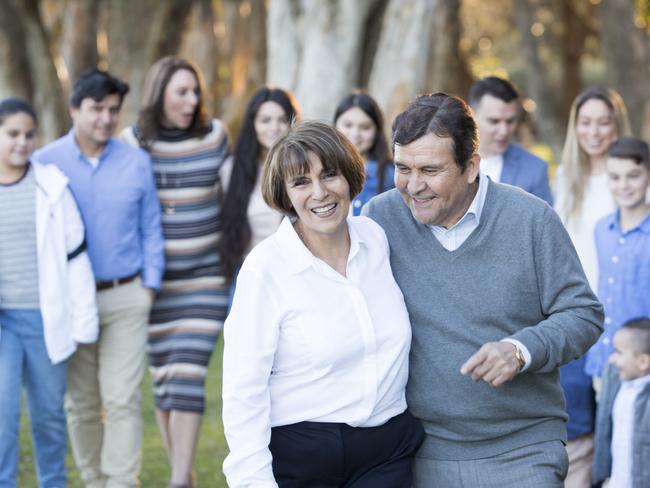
x: 155, y: 469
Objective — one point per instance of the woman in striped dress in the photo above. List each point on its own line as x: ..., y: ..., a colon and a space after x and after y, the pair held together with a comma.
x: 188, y: 151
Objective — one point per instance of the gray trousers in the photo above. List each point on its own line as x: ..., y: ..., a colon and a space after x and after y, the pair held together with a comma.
x: 542, y: 465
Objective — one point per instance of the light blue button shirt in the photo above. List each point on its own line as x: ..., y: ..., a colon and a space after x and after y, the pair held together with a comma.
x: 119, y: 205
x: 623, y: 281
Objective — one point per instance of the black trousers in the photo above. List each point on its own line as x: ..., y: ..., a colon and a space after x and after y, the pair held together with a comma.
x: 329, y: 455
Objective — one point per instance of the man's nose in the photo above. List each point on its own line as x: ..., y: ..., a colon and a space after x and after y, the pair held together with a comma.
x: 414, y: 184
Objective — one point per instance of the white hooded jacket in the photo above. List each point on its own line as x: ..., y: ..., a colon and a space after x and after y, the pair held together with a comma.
x: 65, y: 280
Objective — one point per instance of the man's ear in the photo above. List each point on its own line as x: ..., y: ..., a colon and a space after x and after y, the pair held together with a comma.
x: 472, y: 168
x: 644, y: 361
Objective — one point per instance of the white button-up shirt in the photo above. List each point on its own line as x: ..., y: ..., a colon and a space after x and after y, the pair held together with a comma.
x: 304, y: 343
x: 623, y: 415
x: 492, y: 167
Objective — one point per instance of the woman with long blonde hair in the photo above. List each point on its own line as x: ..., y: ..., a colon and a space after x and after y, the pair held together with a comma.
x: 598, y: 117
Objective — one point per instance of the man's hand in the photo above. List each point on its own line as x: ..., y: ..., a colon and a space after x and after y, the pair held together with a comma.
x: 494, y: 363
x: 151, y: 293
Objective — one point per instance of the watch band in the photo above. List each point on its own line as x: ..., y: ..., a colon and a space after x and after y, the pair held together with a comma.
x: 519, y: 356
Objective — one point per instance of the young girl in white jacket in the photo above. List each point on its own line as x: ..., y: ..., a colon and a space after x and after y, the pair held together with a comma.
x: 47, y: 296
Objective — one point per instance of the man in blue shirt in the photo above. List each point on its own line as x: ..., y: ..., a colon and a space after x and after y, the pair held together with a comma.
x: 115, y: 189
x: 495, y: 103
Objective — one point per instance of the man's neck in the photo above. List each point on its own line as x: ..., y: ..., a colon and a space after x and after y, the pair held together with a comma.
x: 89, y: 148
x: 631, y: 217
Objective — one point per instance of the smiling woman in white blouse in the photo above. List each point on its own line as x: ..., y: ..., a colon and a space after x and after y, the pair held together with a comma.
x: 317, y: 342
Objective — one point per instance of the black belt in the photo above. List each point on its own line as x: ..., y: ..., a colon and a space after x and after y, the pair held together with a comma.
x: 104, y: 285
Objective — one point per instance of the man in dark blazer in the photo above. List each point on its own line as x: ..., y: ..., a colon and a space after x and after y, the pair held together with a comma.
x: 495, y: 103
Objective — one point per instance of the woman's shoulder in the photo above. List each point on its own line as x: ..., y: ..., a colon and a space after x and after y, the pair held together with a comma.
x: 367, y: 229
x: 129, y: 136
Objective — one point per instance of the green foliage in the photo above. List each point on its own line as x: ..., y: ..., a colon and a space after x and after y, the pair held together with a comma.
x: 155, y: 469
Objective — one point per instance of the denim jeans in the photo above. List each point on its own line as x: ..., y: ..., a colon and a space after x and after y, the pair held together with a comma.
x: 24, y: 362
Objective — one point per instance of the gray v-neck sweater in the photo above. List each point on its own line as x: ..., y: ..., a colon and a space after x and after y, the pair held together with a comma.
x: 517, y: 275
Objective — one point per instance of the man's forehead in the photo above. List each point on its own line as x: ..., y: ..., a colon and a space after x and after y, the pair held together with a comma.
x: 491, y: 106
x: 424, y: 149
x: 112, y: 99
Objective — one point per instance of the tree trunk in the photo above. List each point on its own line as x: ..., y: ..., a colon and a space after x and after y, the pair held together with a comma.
x: 572, y: 46
x: 133, y: 49
x: 626, y: 56
x: 315, y: 49
x: 15, y: 79
x: 47, y: 95
x: 447, y: 69
x: 537, y: 83
x: 400, y: 67
x: 79, y: 42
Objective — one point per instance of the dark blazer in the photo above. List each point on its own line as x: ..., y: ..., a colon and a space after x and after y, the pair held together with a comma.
x: 527, y: 171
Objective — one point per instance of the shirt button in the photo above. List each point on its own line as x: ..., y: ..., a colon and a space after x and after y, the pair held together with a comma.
x: 357, y: 204
x: 621, y: 240
x: 608, y: 320
x: 610, y: 280
x: 615, y: 259
x: 606, y: 341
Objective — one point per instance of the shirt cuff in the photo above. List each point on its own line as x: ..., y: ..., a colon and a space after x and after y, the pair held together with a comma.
x: 151, y: 278
x: 524, y: 351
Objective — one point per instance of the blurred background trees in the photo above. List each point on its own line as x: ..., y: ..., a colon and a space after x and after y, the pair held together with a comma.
x: 321, y: 49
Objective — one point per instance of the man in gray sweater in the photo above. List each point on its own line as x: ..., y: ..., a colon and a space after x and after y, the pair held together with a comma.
x: 497, y: 299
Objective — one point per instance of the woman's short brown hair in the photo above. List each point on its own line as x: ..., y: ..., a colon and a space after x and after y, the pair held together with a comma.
x: 289, y: 157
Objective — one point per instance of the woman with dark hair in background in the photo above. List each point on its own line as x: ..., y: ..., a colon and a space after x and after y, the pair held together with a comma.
x: 360, y: 119
x: 188, y: 151
x: 246, y: 218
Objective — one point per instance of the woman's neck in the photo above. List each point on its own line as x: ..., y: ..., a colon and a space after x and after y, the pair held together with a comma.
x: 11, y: 174
x: 333, y: 249
x: 597, y: 165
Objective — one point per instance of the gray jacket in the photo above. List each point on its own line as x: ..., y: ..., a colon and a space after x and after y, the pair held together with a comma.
x: 602, y: 466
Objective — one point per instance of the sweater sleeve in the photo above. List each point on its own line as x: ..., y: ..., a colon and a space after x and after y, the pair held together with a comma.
x: 574, y: 317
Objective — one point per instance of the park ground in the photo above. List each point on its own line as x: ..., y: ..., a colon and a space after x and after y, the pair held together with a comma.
x: 155, y: 469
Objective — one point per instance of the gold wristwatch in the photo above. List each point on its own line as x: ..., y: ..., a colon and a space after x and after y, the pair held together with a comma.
x: 519, y: 356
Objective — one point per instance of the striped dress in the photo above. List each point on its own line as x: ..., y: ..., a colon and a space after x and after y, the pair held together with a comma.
x: 188, y: 314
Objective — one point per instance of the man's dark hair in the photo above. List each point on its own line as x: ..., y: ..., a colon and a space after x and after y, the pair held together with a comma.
x: 641, y: 329
x: 631, y: 148
x: 492, y: 85
x: 443, y: 115
x: 96, y: 84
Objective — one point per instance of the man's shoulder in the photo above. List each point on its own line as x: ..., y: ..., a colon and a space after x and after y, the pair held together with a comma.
x: 604, y: 223
x: 387, y: 203
x: 515, y: 152
x: 54, y: 148
x: 514, y: 200
x: 121, y: 148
